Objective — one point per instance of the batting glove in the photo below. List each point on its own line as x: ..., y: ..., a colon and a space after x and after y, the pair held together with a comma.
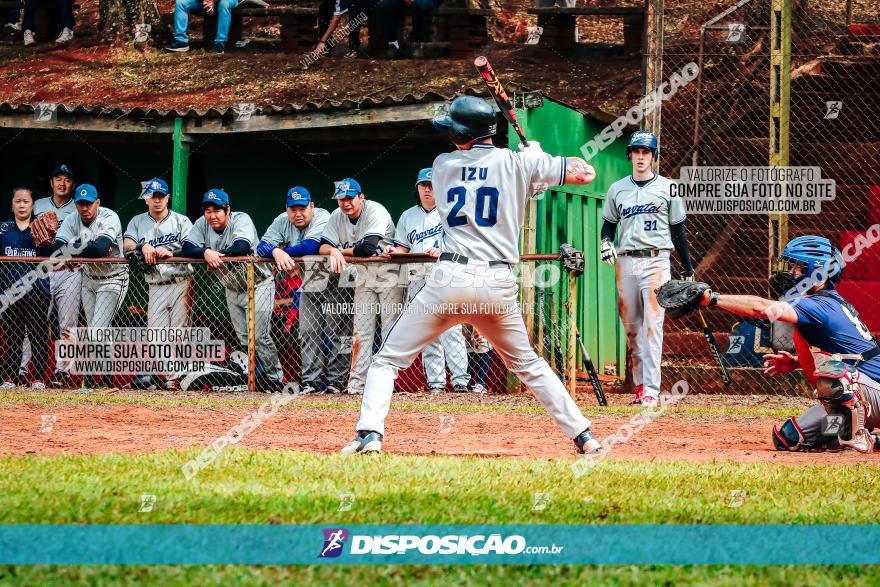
x: 534, y: 147
x: 608, y: 252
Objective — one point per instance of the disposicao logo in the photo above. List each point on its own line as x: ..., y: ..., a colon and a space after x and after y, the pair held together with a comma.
x: 334, y: 541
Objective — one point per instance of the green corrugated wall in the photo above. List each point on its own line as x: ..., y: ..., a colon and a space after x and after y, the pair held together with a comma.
x: 573, y: 214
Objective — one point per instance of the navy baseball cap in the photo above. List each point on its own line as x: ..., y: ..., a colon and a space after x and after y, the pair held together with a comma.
x: 63, y: 169
x: 298, y: 196
x: 424, y: 175
x: 153, y: 186
x: 216, y: 197
x: 85, y: 193
x: 347, y: 188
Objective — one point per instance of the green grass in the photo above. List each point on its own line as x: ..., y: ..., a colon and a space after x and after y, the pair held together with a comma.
x: 272, y: 576
x: 303, y: 488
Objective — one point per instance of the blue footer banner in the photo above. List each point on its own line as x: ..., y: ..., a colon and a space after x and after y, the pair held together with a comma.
x: 435, y: 544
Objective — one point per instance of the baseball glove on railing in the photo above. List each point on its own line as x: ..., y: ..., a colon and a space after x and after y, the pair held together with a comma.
x: 680, y: 297
x: 572, y: 259
x: 43, y: 228
x: 137, y: 262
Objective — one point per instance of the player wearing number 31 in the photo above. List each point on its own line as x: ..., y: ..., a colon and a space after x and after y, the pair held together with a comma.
x: 651, y: 224
x: 482, y: 195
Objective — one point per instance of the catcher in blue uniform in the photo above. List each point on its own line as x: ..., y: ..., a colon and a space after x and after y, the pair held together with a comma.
x: 836, y: 351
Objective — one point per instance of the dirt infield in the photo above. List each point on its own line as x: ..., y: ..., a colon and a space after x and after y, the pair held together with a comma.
x: 699, y: 429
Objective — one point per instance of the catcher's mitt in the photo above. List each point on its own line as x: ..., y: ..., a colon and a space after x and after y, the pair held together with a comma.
x: 780, y: 283
x: 680, y: 297
x: 572, y: 259
x: 44, y: 227
x: 137, y: 262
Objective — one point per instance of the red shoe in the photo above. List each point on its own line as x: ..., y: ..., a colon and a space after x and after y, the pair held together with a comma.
x: 639, y: 389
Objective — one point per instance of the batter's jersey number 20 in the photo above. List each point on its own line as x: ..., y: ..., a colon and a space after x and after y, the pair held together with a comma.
x: 485, y: 211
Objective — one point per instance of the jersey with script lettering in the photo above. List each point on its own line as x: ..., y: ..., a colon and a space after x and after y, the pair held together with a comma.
x: 240, y: 227
x: 48, y: 204
x: 374, y: 220
x: 828, y: 322
x: 418, y: 230
x: 106, y: 223
x: 481, y: 197
x: 643, y: 214
x: 167, y: 233
x: 283, y: 233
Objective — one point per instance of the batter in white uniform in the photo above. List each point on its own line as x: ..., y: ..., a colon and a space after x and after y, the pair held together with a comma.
x: 651, y: 223
x: 483, y: 195
x: 419, y: 230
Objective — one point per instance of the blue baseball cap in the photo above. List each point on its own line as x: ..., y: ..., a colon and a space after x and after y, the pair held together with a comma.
x: 216, y: 197
x: 347, y: 188
x: 424, y: 175
x: 155, y: 185
x: 85, y: 193
x: 63, y: 169
x: 298, y: 196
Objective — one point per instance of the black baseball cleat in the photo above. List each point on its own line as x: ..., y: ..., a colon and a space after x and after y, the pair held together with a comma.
x: 587, y: 443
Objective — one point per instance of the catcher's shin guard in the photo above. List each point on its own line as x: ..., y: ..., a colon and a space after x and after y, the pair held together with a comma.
x: 838, y: 389
x: 789, y: 437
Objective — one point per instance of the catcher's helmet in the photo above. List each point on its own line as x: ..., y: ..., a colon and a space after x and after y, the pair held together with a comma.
x: 469, y: 118
x: 643, y: 138
x: 814, y: 253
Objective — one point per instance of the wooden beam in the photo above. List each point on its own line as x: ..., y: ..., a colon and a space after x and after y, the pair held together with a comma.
x: 87, y: 123
x: 312, y: 120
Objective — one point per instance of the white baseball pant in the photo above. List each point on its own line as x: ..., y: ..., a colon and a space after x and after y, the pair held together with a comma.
x: 449, y: 350
x: 637, y: 278
x: 487, y: 298
x: 66, y: 288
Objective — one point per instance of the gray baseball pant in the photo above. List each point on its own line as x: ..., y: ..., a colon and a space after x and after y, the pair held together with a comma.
x: 637, y: 278
x: 264, y: 298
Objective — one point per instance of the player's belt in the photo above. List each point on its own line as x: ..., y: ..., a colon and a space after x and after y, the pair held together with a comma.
x: 461, y: 259
x: 172, y: 280
x: 641, y: 253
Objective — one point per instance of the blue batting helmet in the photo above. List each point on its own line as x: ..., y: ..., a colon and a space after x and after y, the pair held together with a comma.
x: 817, y: 256
x: 469, y: 118
x: 643, y: 138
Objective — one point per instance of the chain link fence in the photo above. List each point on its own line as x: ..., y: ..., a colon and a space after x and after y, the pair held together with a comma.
x: 247, y: 325
x: 723, y: 118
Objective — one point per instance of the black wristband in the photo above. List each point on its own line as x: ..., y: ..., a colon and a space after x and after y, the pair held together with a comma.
x: 713, y: 299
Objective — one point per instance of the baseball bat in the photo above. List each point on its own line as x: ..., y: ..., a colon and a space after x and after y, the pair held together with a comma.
x: 588, y: 365
x: 713, y: 348
x: 485, y: 68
